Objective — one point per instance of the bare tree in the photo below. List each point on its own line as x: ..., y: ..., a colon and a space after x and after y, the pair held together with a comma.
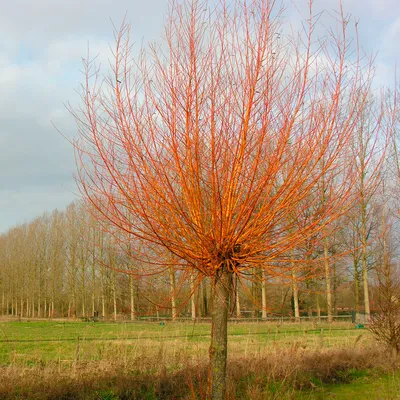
x: 206, y: 144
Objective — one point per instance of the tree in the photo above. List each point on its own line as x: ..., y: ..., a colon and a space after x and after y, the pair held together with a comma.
x: 385, y: 323
x: 205, y: 144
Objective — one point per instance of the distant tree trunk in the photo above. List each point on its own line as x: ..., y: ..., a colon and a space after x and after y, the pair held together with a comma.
x: 295, y: 291
x: 317, y: 305
x: 173, y: 293
x: 103, y: 306
x: 3, y: 302
x: 93, y: 287
x: 334, y: 294
x: 328, y: 282
x: 83, y: 284
x: 39, y: 302
x: 364, y: 264
x: 264, y: 295
x: 238, y: 311
x: 132, y: 293
x: 222, y: 286
x: 356, y: 286
x: 73, y: 303
x: 192, y: 297
x: 204, y: 298
x: 255, y: 292
x: 114, y: 292
x: 103, y: 293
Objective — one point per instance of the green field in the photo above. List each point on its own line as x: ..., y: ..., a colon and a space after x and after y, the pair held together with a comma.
x: 138, y: 360
x: 29, y: 342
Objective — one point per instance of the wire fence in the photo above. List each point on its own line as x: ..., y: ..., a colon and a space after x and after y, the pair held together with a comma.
x: 157, y: 319
x: 168, y: 337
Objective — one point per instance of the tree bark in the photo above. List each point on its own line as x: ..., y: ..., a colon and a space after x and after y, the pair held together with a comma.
x: 132, y: 293
x: 219, y: 334
x: 356, y: 287
x: 173, y: 294
x: 365, y: 266
x: 264, y: 295
x: 238, y: 312
x: 114, y: 293
x: 318, y: 306
x: 3, y: 302
x: 328, y: 282
x: 204, y: 298
x: 192, y: 297
x: 295, y: 292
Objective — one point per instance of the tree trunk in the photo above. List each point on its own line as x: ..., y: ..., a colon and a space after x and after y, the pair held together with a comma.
x: 132, y: 293
x: 318, y: 306
x: 114, y: 290
x: 103, y: 306
x: 3, y: 302
x: 255, y: 294
x: 238, y: 312
x: 192, y: 297
x: 173, y: 294
x: 204, y: 298
x: 295, y: 292
x: 264, y: 295
x: 328, y: 282
x: 334, y: 294
x: 39, y: 310
x: 356, y: 287
x: 365, y: 273
x: 103, y: 293
x: 219, y: 334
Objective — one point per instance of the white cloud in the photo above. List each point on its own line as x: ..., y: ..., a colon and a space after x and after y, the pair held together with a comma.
x: 41, y: 46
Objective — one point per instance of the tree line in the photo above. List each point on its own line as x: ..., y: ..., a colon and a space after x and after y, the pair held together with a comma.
x: 65, y: 264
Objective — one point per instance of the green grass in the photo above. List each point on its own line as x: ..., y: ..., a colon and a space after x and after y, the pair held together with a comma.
x: 40, y: 342
x: 363, y: 385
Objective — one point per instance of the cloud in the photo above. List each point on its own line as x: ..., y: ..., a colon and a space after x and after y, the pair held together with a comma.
x: 41, y: 46
x: 24, y: 204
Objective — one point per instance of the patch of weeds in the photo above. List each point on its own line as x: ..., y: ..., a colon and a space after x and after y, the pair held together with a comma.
x: 106, y: 395
x: 351, y: 374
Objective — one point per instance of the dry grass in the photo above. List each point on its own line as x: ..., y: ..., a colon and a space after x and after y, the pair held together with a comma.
x: 275, y: 374
x: 266, y: 361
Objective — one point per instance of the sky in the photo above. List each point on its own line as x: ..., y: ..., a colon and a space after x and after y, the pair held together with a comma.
x: 42, y: 43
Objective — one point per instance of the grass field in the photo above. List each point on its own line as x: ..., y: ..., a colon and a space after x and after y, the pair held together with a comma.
x: 29, y: 342
x: 56, y: 359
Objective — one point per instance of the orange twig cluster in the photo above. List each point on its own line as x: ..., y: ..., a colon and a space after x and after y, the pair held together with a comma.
x: 208, y: 143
